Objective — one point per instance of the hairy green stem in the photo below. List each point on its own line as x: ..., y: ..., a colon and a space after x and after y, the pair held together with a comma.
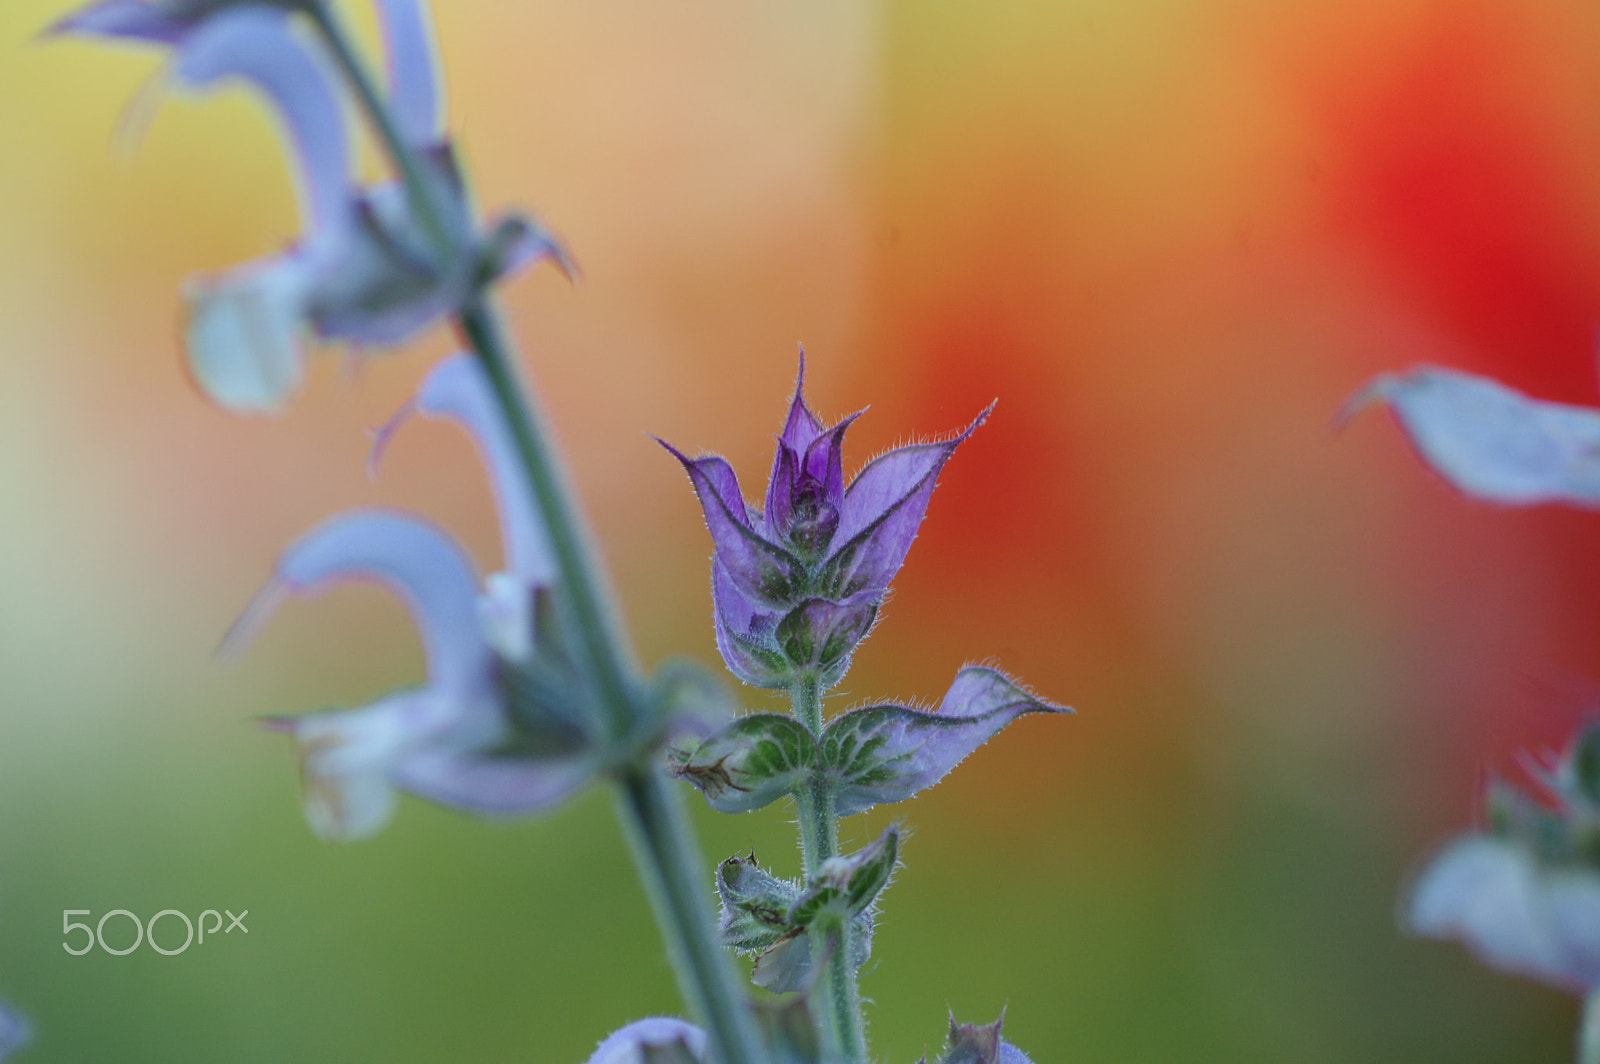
x: 662, y: 839
x: 838, y: 1000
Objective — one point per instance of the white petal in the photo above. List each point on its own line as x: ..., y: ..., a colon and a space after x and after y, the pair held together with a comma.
x: 1485, y: 892
x: 1493, y: 442
x: 459, y: 389
x: 347, y: 760
x: 244, y: 336
x: 1571, y: 899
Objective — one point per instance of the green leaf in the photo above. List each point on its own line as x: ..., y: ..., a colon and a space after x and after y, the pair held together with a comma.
x: 887, y: 753
x: 755, y: 905
x: 748, y: 763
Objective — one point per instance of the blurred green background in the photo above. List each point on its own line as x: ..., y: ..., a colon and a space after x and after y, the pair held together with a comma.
x: 1171, y: 236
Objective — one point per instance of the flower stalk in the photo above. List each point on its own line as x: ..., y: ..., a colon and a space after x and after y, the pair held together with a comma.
x: 838, y: 995
x: 660, y: 835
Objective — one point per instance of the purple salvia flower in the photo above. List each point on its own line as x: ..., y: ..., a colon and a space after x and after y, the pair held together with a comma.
x: 365, y: 271
x: 439, y: 740
x: 652, y: 1039
x: 447, y: 739
x: 15, y: 1031
x: 1491, y: 441
x: 798, y: 585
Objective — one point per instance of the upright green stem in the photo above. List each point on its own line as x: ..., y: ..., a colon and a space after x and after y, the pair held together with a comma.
x: 663, y: 842
x: 839, y: 998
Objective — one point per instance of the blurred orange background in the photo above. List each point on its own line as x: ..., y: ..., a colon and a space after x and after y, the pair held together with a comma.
x: 1171, y: 236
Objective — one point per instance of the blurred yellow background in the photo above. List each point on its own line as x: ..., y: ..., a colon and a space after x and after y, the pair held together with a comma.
x: 1171, y: 236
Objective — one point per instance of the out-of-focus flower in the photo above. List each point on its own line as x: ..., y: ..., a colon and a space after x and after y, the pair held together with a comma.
x: 466, y: 737
x: 797, y: 585
x: 15, y: 1031
x: 1492, y: 441
x: 653, y: 1040
x: 369, y: 269
x: 1525, y: 895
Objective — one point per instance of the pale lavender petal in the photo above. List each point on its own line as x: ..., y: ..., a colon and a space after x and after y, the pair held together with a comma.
x: 883, y: 508
x: 1010, y: 1054
x: 1493, y: 442
x: 135, y: 20
x: 15, y: 1031
x: 414, y: 89
x: 887, y: 753
x: 1571, y: 900
x: 627, y: 1045
x: 416, y: 561
x: 255, y: 43
x: 492, y: 786
x: 458, y: 389
x: 244, y: 332
x: 763, y: 570
x: 1483, y: 891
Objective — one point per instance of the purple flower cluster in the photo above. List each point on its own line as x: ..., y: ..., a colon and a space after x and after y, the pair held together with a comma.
x: 798, y: 584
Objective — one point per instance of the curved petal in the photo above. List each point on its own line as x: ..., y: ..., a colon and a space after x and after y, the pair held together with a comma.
x: 244, y: 333
x: 491, y: 786
x: 458, y: 389
x: 414, y: 89
x: 413, y: 559
x: 627, y: 1045
x: 255, y: 43
x: 1491, y: 441
x: 1483, y: 892
x: 883, y: 508
x: 135, y: 20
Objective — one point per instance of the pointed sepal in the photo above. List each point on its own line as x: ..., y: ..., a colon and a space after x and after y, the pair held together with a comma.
x: 751, y: 761
x: 979, y: 1044
x: 847, y: 886
x: 887, y: 753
